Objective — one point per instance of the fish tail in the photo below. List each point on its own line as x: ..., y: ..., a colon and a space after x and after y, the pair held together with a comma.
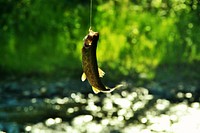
x: 112, y: 89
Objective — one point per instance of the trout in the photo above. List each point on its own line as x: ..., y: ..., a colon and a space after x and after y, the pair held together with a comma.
x: 91, y: 72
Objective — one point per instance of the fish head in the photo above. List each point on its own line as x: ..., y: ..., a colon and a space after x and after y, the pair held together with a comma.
x: 91, y: 39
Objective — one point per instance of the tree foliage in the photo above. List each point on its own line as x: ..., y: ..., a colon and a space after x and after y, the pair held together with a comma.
x: 46, y: 36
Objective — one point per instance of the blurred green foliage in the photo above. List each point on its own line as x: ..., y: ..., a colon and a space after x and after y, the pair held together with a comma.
x: 46, y: 36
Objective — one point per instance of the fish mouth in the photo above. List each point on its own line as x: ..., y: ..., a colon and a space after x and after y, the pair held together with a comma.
x: 89, y: 38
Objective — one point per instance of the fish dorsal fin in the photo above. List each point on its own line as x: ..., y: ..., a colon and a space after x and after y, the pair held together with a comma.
x: 95, y: 90
x: 83, y: 77
x: 101, y: 73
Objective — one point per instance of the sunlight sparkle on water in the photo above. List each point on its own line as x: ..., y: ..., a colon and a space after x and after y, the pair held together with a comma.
x: 123, y: 102
x: 188, y: 122
x: 92, y: 107
x: 78, y: 98
x: 62, y: 101
x: 33, y: 100
x: 108, y: 105
x: 138, y: 105
x: 82, y: 119
x: 70, y: 110
x: 121, y: 112
x: 124, y: 93
x: 161, y: 123
x: 180, y: 95
x: 195, y: 105
x: 118, y: 111
x: 162, y: 104
x: 27, y: 128
x: 52, y: 121
x: 188, y: 95
x: 144, y: 120
x: 105, y: 121
x: 132, y: 96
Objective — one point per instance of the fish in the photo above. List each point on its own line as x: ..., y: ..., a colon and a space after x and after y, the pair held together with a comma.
x: 91, y: 71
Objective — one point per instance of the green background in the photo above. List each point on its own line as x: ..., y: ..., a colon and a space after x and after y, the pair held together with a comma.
x: 136, y: 36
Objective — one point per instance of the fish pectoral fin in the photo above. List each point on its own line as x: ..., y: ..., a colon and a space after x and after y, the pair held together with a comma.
x: 101, y: 73
x: 95, y: 90
x: 83, y: 77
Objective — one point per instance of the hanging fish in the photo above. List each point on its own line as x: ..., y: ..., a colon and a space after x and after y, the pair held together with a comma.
x: 90, y: 66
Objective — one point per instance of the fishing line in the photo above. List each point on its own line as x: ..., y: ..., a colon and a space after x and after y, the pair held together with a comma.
x: 90, y: 15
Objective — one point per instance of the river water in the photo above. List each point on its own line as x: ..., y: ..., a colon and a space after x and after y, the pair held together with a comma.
x: 38, y: 106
